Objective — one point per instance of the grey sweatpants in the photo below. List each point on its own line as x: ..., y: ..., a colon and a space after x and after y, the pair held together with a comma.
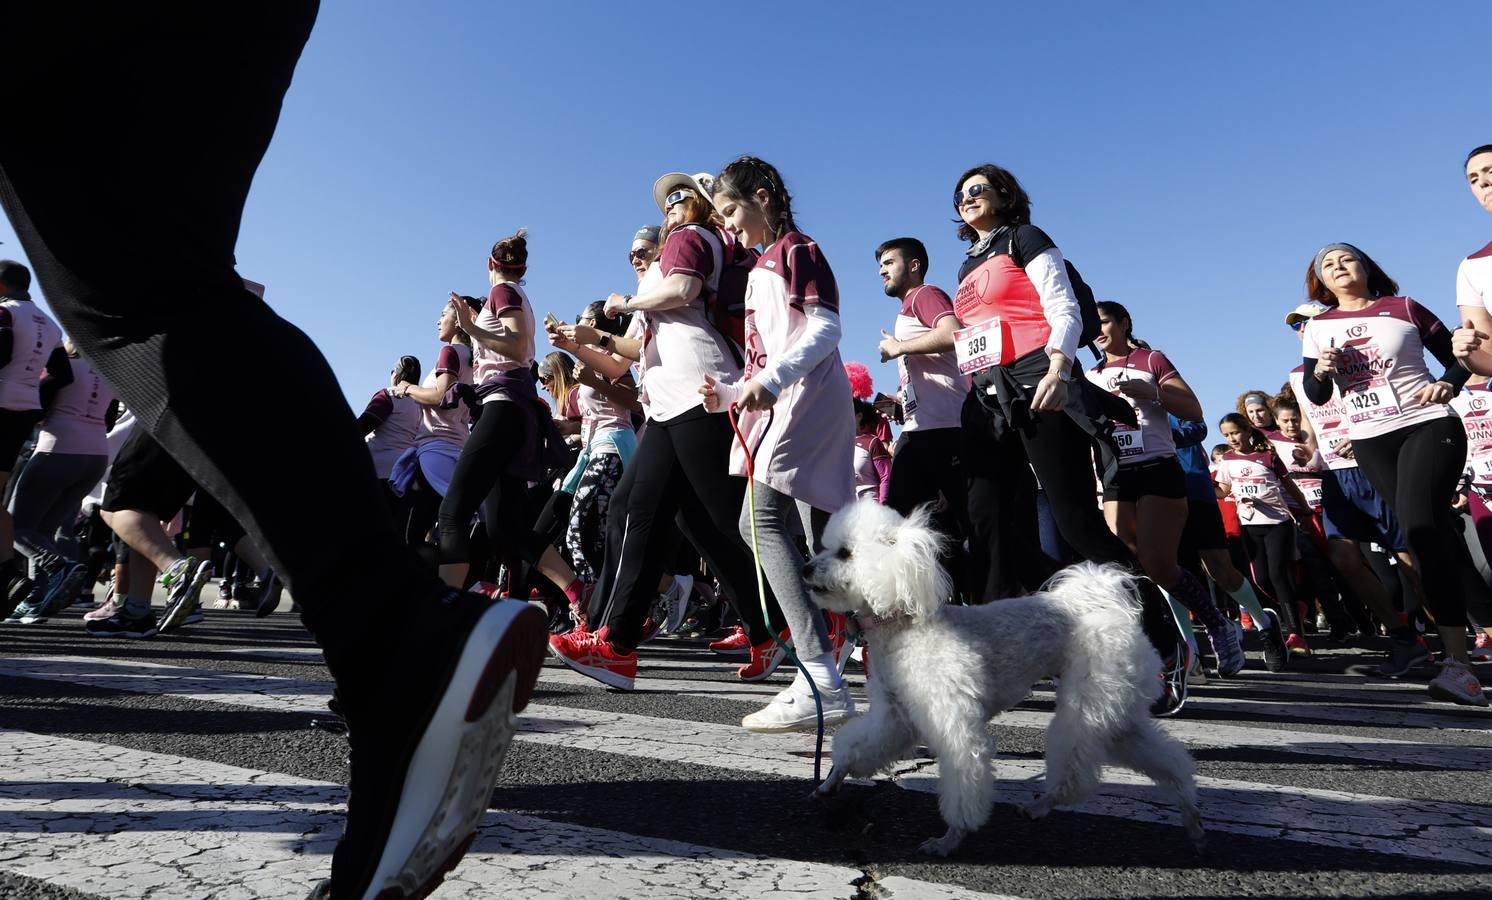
x: 48, y: 495
x: 782, y: 561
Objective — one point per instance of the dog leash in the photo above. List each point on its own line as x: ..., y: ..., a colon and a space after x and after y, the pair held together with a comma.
x: 761, y: 592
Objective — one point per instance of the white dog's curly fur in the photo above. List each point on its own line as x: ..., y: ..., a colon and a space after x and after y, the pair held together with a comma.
x: 940, y: 672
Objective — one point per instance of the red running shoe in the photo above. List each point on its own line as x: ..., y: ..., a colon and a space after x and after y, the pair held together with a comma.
x: 734, y: 644
x: 765, y: 658
x: 1246, y: 620
x: 593, y: 655
x: 1297, y: 645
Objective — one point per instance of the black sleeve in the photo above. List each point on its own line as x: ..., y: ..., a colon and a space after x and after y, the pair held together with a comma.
x: 1438, y: 342
x: 59, y: 374
x: 112, y: 414
x: 1316, y: 390
x: 1028, y: 242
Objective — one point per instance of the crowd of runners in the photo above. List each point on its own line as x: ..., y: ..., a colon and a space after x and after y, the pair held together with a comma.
x: 1348, y: 505
x: 1345, y: 506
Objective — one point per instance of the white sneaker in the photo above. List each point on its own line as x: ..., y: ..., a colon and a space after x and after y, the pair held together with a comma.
x: 793, y: 709
x: 676, y: 603
x: 1457, y: 684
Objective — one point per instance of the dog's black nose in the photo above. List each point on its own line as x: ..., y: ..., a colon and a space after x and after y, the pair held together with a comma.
x: 808, y: 570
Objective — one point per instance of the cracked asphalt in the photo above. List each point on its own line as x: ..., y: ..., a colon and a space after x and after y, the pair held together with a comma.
x: 1317, y: 783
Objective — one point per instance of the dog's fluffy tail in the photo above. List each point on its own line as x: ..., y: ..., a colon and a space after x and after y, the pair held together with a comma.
x: 1110, y: 674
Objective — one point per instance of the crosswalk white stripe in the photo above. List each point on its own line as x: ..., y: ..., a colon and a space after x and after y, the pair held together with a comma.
x: 127, y: 823
x: 1386, y: 825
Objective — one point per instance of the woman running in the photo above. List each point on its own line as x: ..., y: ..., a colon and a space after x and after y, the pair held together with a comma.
x: 390, y: 424
x: 872, y: 459
x: 1371, y: 346
x: 1253, y: 476
x: 422, y: 475
x: 1254, y: 406
x: 679, y: 471
x: 796, y: 414
x: 1145, y: 501
x: 1021, y: 322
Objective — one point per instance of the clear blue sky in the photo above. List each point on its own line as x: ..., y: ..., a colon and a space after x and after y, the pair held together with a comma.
x: 1190, y: 158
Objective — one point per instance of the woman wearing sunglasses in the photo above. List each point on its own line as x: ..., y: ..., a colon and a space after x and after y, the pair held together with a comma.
x: 1020, y: 324
x: 679, y: 468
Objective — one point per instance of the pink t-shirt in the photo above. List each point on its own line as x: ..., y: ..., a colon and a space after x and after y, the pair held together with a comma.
x: 1306, y: 475
x: 397, y: 431
x: 1474, y: 279
x: 1153, y: 439
x: 932, y: 388
x: 872, y: 461
x: 680, y: 346
x: 600, y: 418
x: 75, y: 422
x: 1474, y: 406
x: 503, y: 299
x: 805, y: 443
x: 1382, y: 363
x: 1257, y: 477
x: 453, y: 424
x: 33, y: 338
x: 1328, y: 421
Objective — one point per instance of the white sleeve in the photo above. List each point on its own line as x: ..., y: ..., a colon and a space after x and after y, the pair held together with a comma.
x: 1048, y: 272
x: 1309, y: 349
x: 820, y: 338
x: 1466, y: 292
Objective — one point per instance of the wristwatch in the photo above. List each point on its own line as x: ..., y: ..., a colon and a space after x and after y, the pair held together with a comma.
x: 605, y: 341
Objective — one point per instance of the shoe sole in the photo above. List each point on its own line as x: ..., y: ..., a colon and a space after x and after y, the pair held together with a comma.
x: 605, y: 676
x: 449, y: 781
x: 732, y: 654
x: 149, y: 632
x: 174, y: 616
x: 831, y: 719
x: 1440, y: 693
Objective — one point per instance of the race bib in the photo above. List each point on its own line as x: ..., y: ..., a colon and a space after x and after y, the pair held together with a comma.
x: 1130, y: 441
x: 1313, y: 490
x: 1367, y: 395
x: 1251, y: 489
x: 908, y: 390
x: 1481, y: 469
x: 978, y: 347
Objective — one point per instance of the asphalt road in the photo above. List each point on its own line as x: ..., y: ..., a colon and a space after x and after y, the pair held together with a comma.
x: 186, y: 766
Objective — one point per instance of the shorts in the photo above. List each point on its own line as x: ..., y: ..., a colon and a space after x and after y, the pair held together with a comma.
x: 1204, y: 526
x: 147, y: 478
x: 1156, y: 478
x: 15, y: 430
x: 1353, y: 510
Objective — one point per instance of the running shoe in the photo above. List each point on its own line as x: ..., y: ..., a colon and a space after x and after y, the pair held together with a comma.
x: 122, y: 624
x: 676, y: 602
x: 1457, y: 684
x: 592, y: 654
x: 269, y: 595
x: 108, y: 610
x: 765, y: 658
x: 1404, y: 656
x: 1276, y: 655
x: 1173, y: 683
x: 840, y: 642
x: 13, y: 594
x: 430, y: 719
x: 794, y: 709
x: 225, y: 594
x: 1297, y: 645
x: 27, y: 612
x: 63, y: 583
x: 1483, y: 648
x: 183, y: 583
x: 734, y: 644
x: 1229, y: 651
x: 1246, y: 620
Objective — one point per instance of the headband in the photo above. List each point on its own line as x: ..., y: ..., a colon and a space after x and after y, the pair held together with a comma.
x: 1260, y: 399
x: 1321, y: 254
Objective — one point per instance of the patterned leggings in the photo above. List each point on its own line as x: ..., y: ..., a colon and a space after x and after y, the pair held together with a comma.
x: 586, y: 535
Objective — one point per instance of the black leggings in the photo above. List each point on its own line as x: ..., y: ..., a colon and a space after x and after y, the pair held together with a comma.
x: 1416, y: 469
x: 927, y: 467
x: 678, y: 473
x: 1271, y: 549
x: 186, y: 149
x: 479, y: 480
x: 1004, y: 544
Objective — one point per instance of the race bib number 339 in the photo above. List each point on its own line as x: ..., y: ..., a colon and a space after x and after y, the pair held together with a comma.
x: 979, y: 346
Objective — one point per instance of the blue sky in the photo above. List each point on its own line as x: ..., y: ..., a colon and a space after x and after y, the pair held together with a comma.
x: 1189, y: 158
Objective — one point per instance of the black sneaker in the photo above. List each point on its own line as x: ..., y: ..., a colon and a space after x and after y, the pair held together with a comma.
x: 1404, y: 656
x: 183, y: 583
x: 429, y: 723
x: 269, y: 595
x: 1276, y: 655
x: 122, y: 624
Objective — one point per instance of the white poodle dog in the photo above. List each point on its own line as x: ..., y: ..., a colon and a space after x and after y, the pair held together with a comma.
x: 940, y: 672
